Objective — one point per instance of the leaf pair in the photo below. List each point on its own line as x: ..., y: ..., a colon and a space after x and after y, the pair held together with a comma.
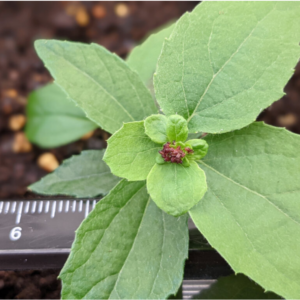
x: 132, y: 153
x: 161, y: 129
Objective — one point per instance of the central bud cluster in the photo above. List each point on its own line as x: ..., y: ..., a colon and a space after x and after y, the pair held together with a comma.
x: 174, y: 154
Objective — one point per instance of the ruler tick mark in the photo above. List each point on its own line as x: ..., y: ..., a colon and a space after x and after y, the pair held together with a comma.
x: 6, y: 209
x: 87, y: 208
x: 33, y: 207
x: 53, y: 209
x: 47, y: 206
x: 19, y: 213
x: 60, y: 207
x: 1, y: 206
x: 80, y: 206
x: 67, y: 206
x: 74, y: 205
x: 13, y: 207
x: 40, y: 207
x: 26, y: 210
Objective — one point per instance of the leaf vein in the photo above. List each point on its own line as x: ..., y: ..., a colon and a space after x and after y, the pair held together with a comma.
x: 224, y: 65
x: 93, y: 80
x: 132, y: 247
x: 251, y: 191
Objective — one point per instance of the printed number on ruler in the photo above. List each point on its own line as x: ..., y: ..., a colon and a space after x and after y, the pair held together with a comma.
x: 15, y: 233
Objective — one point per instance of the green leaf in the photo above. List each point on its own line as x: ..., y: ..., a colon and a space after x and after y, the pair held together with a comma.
x: 84, y: 175
x: 143, y: 58
x: 175, y: 188
x: 199, y: 146
x: 235, y: 287
x: 156, y: 128
x: 185, y: 162
x: 177, y: 129
x: 125, y: 249
x: 53, y: 119
x: 251, y: 211
x: 130, y: 152
x: 99, y: 82
x: 159, y: 159
x: 227, y: 61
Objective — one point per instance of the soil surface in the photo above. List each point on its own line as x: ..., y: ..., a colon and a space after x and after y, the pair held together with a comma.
x: 117, y: 26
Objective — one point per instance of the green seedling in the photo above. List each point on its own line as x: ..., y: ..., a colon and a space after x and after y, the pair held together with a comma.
x: 218, y: 68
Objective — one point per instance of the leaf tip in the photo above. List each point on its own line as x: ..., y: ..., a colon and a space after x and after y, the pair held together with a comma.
x: 38, y: 43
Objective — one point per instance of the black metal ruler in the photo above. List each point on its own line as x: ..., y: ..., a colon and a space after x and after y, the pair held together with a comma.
x: 38, y: 234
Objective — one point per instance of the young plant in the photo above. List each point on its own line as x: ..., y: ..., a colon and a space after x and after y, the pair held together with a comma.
x: 221, y: 66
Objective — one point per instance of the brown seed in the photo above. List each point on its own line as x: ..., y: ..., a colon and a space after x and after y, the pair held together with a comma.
x: 11, y: 93
x: 87, y: 135
x: 16, y: 122
x: 99, y: 11
x: 47, y: 162
x: 121, y: 10
x: 21, y: 144
x: 287, y: 120
x: 82, y: 17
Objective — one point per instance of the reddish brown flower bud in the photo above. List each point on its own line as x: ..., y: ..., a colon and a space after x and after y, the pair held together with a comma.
x: 188, y: 150
x: 174, y: 155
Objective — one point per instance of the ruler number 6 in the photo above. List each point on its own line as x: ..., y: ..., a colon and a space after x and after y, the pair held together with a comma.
x: 15, y: 233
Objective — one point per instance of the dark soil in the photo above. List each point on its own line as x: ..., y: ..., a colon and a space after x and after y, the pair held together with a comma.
x: 29, y: 284
x: 118, y: 28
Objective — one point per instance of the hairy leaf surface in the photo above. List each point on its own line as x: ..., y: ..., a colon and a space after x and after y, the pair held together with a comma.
x: 130, y: 152
x: 99, y: 82
x: 227, y: 61
x: 251, y: 211
x: 156, y: 128
x: 235, y: 287
x: 125, y: 249
x: 177, y: 129
x: 53, y: 119
x: 84, y: 175
x: 175, y: 188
